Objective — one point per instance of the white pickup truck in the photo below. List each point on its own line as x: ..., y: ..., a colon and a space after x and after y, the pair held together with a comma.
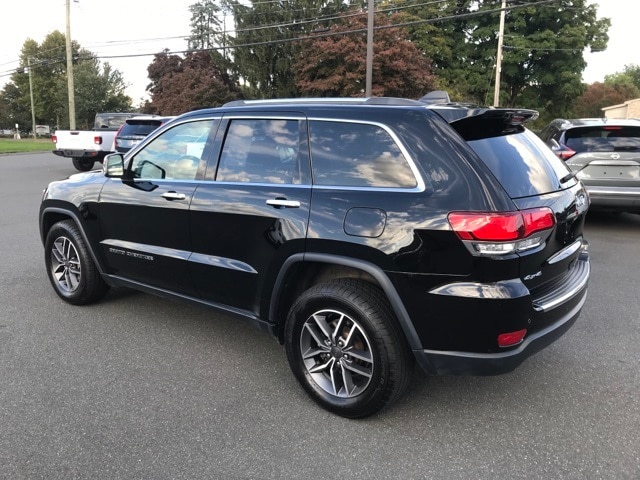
x: 86, y: 147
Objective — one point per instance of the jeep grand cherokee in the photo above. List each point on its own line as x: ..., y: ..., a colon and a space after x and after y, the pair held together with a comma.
x: 364, y: 234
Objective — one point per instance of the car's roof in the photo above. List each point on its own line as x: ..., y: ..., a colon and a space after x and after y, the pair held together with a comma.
x: 450, y: 111
x: 597, y: 122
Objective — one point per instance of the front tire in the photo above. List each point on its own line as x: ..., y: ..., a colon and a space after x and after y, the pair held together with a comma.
x: 70, y: 268
x: 82, y: 164
x: 346, y: 349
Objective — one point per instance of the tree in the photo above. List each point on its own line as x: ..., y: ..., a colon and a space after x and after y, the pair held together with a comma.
x: 444, y: 41
x: 263, y: 54
x: 613, y: 91
x: 335, y: 65
x: 97, y: 86
x: 543, y: 53
x: 205, y: 25
x: 196, y: 81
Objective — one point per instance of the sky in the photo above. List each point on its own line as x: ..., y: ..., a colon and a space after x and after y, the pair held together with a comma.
x: 117, y: 28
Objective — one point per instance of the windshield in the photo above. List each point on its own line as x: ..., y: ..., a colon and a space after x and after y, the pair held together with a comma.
x: 139, y: 129
x: 605, y: 138
x: 522, y: 163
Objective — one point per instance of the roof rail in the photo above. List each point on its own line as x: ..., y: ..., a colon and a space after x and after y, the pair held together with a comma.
x: 327, y: 100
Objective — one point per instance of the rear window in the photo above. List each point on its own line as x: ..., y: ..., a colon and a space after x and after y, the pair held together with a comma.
x: 522, y: 163
x: 605, y: 138
x: 139, y: 129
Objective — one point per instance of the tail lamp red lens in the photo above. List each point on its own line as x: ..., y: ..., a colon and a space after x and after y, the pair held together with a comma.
x: 501, y: 226
x: 97, y: 140
x: 502, y: 233
x: 565, y: 154
x: 54, y: 139
x: 511, y: 338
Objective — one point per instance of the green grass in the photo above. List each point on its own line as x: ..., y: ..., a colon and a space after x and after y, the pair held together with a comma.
x: 9, y: 145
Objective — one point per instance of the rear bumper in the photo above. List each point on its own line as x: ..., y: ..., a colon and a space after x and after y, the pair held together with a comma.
x: 83, y: 154
x: 614, y: 198
x: 564, y: 313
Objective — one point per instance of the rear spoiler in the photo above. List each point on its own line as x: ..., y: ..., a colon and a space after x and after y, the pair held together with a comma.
x: 477, y: 122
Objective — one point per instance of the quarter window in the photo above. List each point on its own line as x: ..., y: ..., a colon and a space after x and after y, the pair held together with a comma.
x: 359, y: 155
x: 262, y: 151
x: 174, y: 155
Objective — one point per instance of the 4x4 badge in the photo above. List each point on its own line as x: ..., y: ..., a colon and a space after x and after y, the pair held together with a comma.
x: 534, y: 275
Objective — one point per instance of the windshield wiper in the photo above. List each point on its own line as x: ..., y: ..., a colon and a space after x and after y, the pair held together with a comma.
x: 571, y: 175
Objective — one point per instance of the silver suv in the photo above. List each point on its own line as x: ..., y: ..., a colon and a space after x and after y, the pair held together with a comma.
x: 605, y: 155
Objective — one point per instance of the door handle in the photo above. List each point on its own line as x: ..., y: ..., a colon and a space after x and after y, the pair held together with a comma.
x: 281, y: 202
x: 174, y: 196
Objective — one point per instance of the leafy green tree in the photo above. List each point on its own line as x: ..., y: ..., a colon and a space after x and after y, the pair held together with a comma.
x: 196, y: 81
x: 335, y: 65
x: 543, y: 52
x: 443, y: 41
x: 263, y: 58
x: 205, y: 25
x: 629, y: 76
x: 98, y: 87
x: 633, y: 71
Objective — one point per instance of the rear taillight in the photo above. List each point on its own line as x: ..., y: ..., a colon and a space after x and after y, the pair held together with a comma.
x: 54, y: 139
x: 565, y: 154
x: 97, y: 140
x: 502, y: 233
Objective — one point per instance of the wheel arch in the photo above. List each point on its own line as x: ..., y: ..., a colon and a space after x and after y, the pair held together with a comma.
x: 304, y: 270
x: 49, y: 216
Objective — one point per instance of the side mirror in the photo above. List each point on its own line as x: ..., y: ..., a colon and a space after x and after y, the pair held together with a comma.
x: 113, y: 165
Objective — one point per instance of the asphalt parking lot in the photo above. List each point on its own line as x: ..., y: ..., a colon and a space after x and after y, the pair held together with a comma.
x: 138, y: 387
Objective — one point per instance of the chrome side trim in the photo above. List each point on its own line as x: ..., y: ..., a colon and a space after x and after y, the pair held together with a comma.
x: 565, y: 252
x: 222, y: 262
x: 499, y: 290
x: 151, y: 250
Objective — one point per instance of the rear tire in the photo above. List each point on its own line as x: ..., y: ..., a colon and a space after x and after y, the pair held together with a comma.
x: 345, y: 347
x: 70, y: 268
x: 83, y: 164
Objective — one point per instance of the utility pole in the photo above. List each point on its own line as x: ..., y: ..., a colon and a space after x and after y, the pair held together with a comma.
x: 33, y: 111
x: 70, y: 87
x: 369, y: 69
x: 496, y: 92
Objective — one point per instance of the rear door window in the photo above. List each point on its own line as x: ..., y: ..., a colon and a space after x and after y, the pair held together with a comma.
x: 522, y: 163
x: 607, y: 138
x: 263, y: 151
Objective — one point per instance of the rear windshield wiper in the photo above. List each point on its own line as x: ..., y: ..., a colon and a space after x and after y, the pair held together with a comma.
x: 571, y: 175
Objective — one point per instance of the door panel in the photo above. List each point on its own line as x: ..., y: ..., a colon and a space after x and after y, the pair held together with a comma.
x: 248, y: 221
x: 145, y: 215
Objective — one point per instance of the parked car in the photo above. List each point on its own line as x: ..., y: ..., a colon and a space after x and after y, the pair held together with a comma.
x: 364, y: 234
x: 605, y: 155
x: 135, y: 129
x: 88, y: 146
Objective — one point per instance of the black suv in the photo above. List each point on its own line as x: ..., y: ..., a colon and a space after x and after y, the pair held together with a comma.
x: 363, y: 233
x: 135, y: 130
x: 605, y: 156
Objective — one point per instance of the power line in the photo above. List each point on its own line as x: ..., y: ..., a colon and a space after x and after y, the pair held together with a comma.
x: 332, y: 34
